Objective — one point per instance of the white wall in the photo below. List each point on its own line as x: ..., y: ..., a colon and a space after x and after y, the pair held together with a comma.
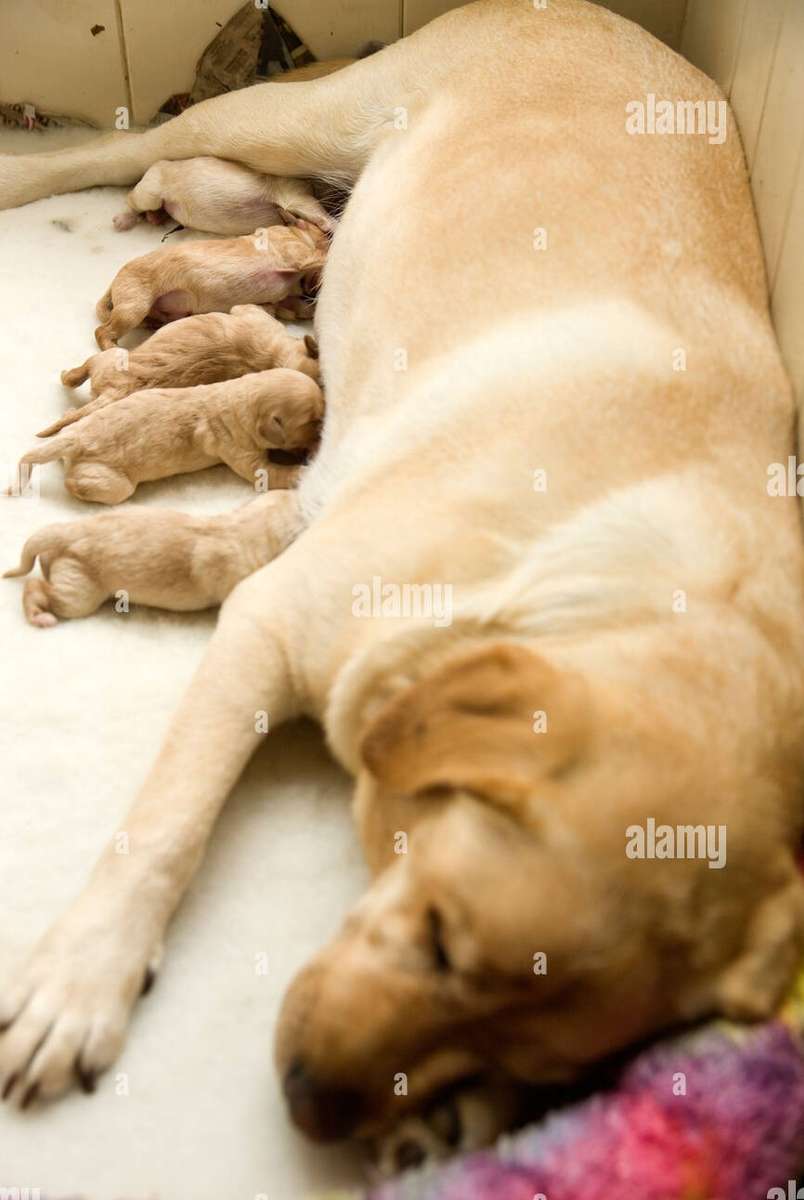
x: 148, y: 49
x: 755, y: 50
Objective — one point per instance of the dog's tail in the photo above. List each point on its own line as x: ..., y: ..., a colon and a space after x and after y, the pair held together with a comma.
x: 46, y: 453
x: 78, y: 375
x: 104, y: 306
x: 75, y: 414
x: 43, y: 541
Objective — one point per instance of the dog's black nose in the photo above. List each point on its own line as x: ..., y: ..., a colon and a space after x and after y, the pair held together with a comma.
x: 325, y: 1113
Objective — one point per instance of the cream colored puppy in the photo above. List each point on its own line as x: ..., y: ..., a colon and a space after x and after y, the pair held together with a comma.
x: 202, y: 349
x: 220, y: 197
x: 269, y: 267
x: 543, y: 596
x: 163, y: 560
x: 170, y: 431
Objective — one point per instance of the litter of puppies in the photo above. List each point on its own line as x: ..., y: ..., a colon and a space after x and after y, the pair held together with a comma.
x: 219, y: 381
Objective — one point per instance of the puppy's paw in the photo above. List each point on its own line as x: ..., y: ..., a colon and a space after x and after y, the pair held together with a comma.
x: 63, y: 1016
x: 125, y: 220
x: 468, y: 1118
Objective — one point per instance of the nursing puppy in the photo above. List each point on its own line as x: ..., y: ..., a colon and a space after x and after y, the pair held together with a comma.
x: 161, y: 559
x: 202, y: 349
x: 220, y: 197
x: 542, y: 596
x: 269, y: 267
x: 170, y: 431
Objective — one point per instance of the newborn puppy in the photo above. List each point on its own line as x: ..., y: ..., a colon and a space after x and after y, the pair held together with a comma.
x: 220, y: 197
x: 171, y: 431
x: 197, y: 277
x: 164, y: 559
x: 202, y: 349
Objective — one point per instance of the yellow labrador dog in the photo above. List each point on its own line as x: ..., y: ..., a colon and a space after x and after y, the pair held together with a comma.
x: 543, y: 602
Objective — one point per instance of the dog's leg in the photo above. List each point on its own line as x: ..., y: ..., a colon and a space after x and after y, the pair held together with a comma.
x: 63, y: 1015
x: 324, y: 127
x: 467, y: 1118
x: 99, y: 482
x: 147, y: 196
x: 37, y: 602
x: 124, y: 313
x: 67, y: 592
x: 258, y: 470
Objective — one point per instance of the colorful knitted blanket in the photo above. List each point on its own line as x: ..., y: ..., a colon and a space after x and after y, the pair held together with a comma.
x: 717, y: 1114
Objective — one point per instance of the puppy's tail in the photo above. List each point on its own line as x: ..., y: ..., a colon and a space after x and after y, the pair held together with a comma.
x: 43, y: 454
x: 43, y: 541
x: 77, y: 376
x: 104, y: 306
x: 75, y: 414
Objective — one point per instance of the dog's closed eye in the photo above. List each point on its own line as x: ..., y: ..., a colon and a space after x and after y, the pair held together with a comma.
x: 435, y: 923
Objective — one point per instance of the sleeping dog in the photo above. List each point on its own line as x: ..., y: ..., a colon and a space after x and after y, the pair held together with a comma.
x: 553, y: 388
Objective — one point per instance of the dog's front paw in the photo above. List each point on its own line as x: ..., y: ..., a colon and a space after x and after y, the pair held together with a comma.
x: 469, y: 1117
x: 63, y: 1017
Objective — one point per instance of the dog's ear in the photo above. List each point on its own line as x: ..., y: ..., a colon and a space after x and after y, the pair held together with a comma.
x: 493, y: 721
x: 311, y: 345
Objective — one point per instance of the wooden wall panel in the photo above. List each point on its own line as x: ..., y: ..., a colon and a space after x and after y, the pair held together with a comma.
x: 336, y: 28
x: 711, y: 37
x: 664, y: 18
x: 752, y: 75
x: 164, y: 42
x: 788, y: 291
x: 49, y: 57
x: 780, y: 136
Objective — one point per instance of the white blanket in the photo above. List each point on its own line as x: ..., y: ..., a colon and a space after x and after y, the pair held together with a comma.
x: 192, y: 1110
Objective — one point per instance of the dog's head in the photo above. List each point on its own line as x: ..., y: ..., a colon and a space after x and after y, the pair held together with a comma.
x: 288, y: 414
x: 507, y: 929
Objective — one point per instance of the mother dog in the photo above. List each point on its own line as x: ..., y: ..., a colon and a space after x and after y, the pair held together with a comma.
x: 553, y: 386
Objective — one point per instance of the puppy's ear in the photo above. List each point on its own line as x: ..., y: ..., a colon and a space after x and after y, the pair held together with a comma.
x: 493, y: 721
x: 310, y: 345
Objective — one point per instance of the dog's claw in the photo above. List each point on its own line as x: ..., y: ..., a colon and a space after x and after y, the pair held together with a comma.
x: 88, y: 1080
x: 148, y: 980
x: 71, y: 1003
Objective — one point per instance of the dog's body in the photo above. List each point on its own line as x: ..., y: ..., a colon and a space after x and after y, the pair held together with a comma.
x: 220, y: 197
x: 208, y: 348
x: 169, y: 431
x: 180, y: 562
x: 267, y: 267
x: 617, y: 564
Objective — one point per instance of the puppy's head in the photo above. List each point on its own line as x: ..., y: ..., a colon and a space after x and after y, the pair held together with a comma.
x: 288, y: 415
x: 508, y: 931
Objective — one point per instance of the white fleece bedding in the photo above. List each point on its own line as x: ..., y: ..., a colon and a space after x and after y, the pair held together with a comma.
x: 192, y: 1111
